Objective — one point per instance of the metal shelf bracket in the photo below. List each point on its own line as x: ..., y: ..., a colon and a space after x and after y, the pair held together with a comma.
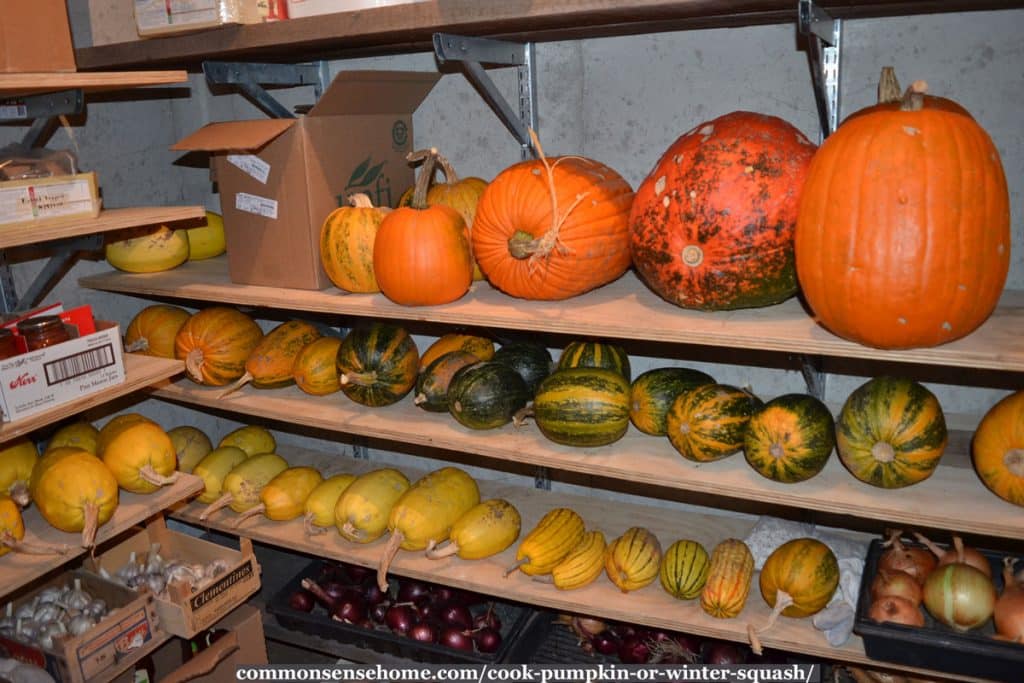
x: 64, y: 252
x: 250, y: 79
x: 824, y: 40
x: 42, y: 110
x: 814, y: 376
x: 472, y: 53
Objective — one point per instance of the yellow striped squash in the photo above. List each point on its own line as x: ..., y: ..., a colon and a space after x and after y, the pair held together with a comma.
x: 728, y: 584
x: 633, y: 559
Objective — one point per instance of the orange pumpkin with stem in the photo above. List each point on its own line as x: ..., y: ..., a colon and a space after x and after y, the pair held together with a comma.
x: 421, y: 255
x: 550, y: 229
x: 998, y: 448
x: 903, y: 234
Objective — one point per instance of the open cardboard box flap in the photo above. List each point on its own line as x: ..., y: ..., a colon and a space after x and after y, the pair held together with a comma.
x: 375, y: 92
x: 241, y: 136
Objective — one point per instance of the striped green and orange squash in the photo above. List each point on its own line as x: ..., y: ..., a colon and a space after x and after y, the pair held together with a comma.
x: 806, y: 570
x: 653, y: 392
x: 315, y: 370
x: 891, y: 432
x: 587, y: 354
x: 583, y: 406
x: 153, y: 329
x: 432, y: 384
x: 377, y: 364
x: 531, y: 361
x: 215, y: 343
x: 346, y: 244
x: 684, y: 569
x: 481, y: 347
x: 728, y: 585
x: 709, y: 422
x: 273, y: 359
x: 790, y: 438
x: 486, y: 395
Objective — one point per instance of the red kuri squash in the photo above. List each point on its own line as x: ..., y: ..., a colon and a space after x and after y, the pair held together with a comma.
x: 153, y: 329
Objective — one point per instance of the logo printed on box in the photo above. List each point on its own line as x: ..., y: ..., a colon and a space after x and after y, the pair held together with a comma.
x: 368, y: 179
x: 22, y: 380
x: 210, y: 594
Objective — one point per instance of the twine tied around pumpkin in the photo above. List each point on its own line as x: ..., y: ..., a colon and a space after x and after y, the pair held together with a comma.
x: 523, y: 245
x: 782, y: 601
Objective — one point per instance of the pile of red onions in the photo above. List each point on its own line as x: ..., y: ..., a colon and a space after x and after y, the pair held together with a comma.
x: 424, y: 612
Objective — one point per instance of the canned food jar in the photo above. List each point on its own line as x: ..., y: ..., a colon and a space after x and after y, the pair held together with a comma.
x: 43, y: 331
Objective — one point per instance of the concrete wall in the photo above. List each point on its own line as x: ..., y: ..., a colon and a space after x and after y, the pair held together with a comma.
x: 620, y: 100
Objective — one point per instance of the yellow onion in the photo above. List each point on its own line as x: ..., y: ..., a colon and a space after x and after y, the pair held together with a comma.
x: 1009, y: 610
x: 959, y: 596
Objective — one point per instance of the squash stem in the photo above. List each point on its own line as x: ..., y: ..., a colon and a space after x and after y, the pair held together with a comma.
x: 363, y: 379
x: 519, y: 419
x: 883, y: 452
x: 20, y: 495
x: 28, y: 548
x: 519, y: 563
x: 251, y: 512
x: 140, y: 344
x: 360, y: 200
x: 309, y: 528
x: 913, y: 98
x: 236, y: 385
x: 194, y: 365
x: 889, y: 90
x: 450, y: 176
x: 92, y: 522
x: 218, y: 504
x: 147, y: 473
x: 782, y: 601
x: 390, y: 550
x: 419, y: 194
x: 349, y: 530
x: 546, y: 578
x: 1014, y: 461
x: 436, y: 553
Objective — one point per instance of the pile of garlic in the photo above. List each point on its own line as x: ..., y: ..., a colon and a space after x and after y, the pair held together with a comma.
x: 156, y: 574
x: 53, y: 612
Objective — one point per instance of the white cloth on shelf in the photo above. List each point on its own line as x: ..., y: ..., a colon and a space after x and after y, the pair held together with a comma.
x: 20, y: 672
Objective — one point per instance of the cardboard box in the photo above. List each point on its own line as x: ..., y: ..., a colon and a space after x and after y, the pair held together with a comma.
x: 112, y: 21
x: 39, y: 201
x: 188, y: 612
x: 129, y: 632
x: 35, y: 36
x: 280, y: 178
x: 39, y: 380
x: 310, y: 8
x: 167, y: 17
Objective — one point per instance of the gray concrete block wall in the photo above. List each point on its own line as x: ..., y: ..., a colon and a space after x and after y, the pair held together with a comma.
x: 621, y: 100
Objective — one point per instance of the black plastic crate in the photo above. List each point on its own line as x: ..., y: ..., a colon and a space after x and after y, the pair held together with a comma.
x: 517, y: 621
x: 936, y: 646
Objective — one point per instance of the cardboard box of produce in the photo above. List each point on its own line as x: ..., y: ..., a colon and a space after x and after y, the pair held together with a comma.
x: 21, y: 49
x: 166, y: 17
x: 280, y: 178
x: 127, y: 633
x: 186, y: 609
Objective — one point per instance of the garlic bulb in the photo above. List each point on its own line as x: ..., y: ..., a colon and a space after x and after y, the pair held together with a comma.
x: 80, y: 625
x: 27, y: 610
x: 48, y: 613
x: 77, y: 598
x: 97, y: 608
x: 48, y: 632
x: 50, y: 595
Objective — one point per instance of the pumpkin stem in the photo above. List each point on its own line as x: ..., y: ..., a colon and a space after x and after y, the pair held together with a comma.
x: 140, y: 344
x: 913, y: 98
x: 194, y: 365
x: 883, y: 452
x: 360, y: 200
x: 519, y: 563
x: 236, y: 385
x: 310, y: 528
x: 251, y: 512
x: 926, y: 542
x: 92, y: 523
x: 349, y: 529
x: 782, y: 601
x: 390, y: 550
x: 363, y: 379
x: 450, y: 176
x: 1014, y: 461
x: 889, y: 90
x: 218, y: 504
x: 435, y: 552
x: 419, y: 399
x: 19, y: 494
x: 23, y: 546
x: 147, y: 473
x: 429, y: 158
x: 519, y: 419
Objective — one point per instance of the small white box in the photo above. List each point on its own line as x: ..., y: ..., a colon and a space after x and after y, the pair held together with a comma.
x: 310, y: 8
x: 37, y: 381
x: 39, y: 200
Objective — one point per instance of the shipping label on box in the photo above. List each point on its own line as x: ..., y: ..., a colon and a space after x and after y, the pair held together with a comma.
x: 39, y: 380
x: 39, y: 199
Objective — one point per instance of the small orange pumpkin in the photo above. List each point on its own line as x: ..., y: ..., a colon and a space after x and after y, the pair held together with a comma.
x: 215, y: 343
x: 346, y: 244
x: 153, y: 329
x: 421, y: 256
x: 998, y: 448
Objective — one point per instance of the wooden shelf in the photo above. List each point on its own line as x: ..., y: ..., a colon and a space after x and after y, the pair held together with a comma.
x: 644, y: 459
x: 624, y: 309
x: 408, y: 27
x: 141, y: 371
x: 651, y: 605
x: 108, y: 220
x: 20, y: 569
x: 32, y: 83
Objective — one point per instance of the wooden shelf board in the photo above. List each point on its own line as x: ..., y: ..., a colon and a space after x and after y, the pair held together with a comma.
x: 644, y: 459
x: 141, y: 371
x: 31, y: 83
x: 108, y: 220
x: 20, y: 569
x: 651, y: 605
x: 623, y: 309
x: 408, y: 27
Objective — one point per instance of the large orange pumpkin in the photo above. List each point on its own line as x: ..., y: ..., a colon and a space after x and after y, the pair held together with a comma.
x: 346, y: 244
x: 712, y: 225
x: 215, y: 343
x: 903, y: 236
x: 998, y: 448
x: 152, y: 331
x: 550, y: 229
x: 421, y: 256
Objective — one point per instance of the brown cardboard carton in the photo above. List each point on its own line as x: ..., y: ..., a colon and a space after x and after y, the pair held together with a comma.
x: 35, y: 36
x: 280, y: 178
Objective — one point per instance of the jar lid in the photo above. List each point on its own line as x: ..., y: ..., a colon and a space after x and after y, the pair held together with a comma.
x: 39, y: 323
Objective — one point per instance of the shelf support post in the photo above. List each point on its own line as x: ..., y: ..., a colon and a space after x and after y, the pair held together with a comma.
x: 824, y: 40
x: 811, y: 367
x: 472, y: 53
x: 41, y: 110
x: 250, y: 79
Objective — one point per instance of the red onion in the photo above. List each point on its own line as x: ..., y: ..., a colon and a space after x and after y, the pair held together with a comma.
x: 424, y: 632
x: 301, y: 601
x: 413, y: 591
x: 456, y: 638
x: 487, y: 640
x: 488, y: 619
x: 1009, y: 610
x: 896, y: 610
x: 634, y: 650
x: 379, y: 611
x: 357, y: 573
x: 897, y: 584
x: 350, y: 610
x: 959, y: 596
x: 319, y: 593
x: 605, y: 643
x: 458, y: 616
x: 918, y: 562
x: 958, y: 553
x: 334, y: 588
x: 373, y: 595
x: 399, y: 618
x: 719, y: 652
